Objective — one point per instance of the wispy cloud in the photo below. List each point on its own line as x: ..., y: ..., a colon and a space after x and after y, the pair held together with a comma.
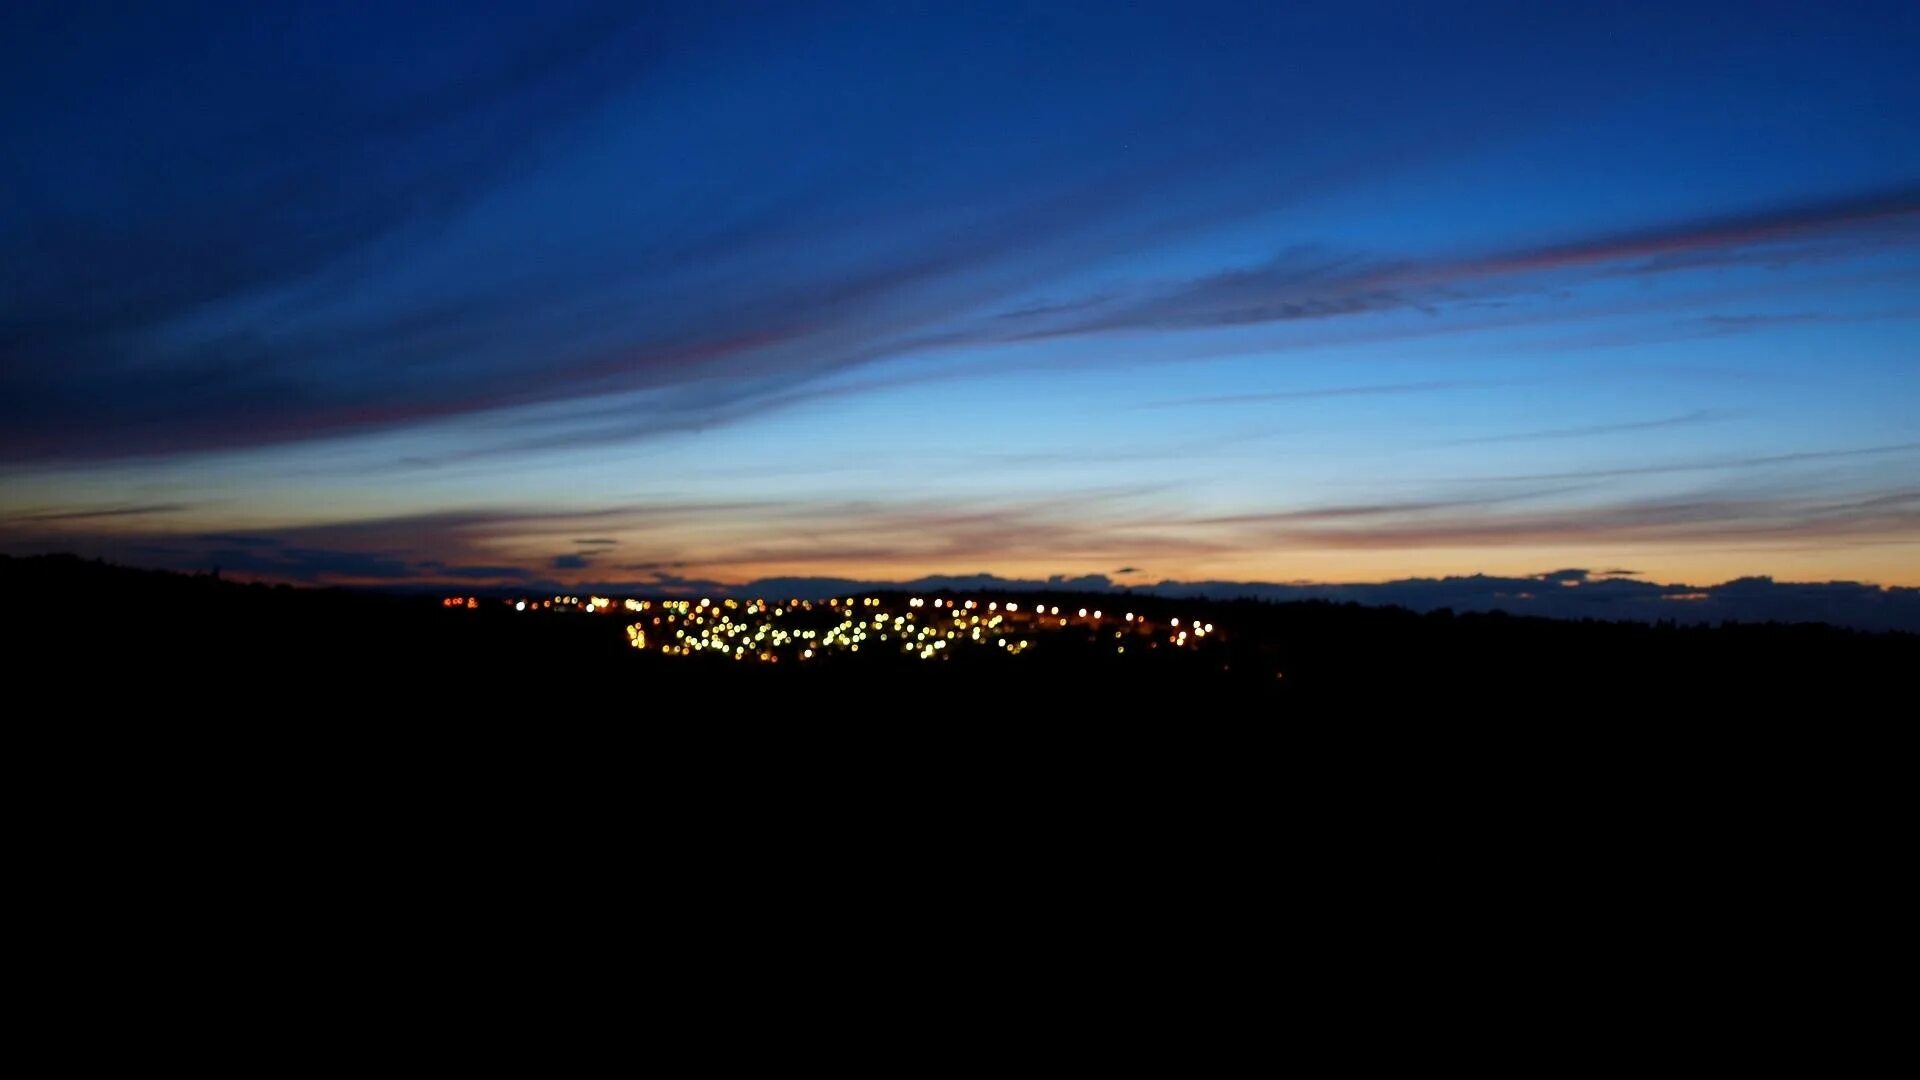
x: 1314, y: 283
x: 1670, y: 523
x: 134, y: 510
x: 1378, y: 389
x: 1754, y: 462
x: 1583, y: 431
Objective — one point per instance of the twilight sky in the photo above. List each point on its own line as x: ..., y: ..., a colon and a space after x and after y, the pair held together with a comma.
x: 626, y: 293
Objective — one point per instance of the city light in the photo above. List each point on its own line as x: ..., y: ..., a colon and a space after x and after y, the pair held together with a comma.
x: 754, y: 630
x: 797, y: 630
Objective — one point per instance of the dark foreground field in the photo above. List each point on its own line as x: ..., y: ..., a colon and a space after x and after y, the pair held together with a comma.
x: 222, y: 648
x: 246, y: 759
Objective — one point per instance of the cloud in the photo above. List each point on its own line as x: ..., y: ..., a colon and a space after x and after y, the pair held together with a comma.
x: 233, y: 540
x: 1117, y: 526
x: 1749, y: 322
x: 1567, y: 594
x: 1431, y: 386
x: 1842, y: 603
x: 1718, y: 520
x: 365, y: 160
x: 1311, y: 283
x: 1754, y: 462
x: 491, y: 235
x: 482, y: 573
x: 1698, y: 416
x: 598, y: 541
x: 135, y: 510
x: 1868, y: 210
x: 308, y: 565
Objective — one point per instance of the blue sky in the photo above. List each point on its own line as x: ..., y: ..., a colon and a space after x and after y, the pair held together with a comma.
x: 1210, y: 291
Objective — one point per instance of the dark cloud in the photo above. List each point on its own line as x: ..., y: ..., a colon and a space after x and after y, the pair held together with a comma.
x: 1570, y: 594
x: 1842, y: 603
x: 600, y: 541
x: 307, y: 565
x: 1314, y: 283
x: 1719, y: 520
x: 569, y: 562
x: 482, y: 573
x: 169, y: 300
x: 136, y: 510
x: 232, y: 540
x: 1870, y: 210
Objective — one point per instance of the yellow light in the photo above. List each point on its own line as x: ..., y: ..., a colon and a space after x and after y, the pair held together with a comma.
x: 1013, y: 607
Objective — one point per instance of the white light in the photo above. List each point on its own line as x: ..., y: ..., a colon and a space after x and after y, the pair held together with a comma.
x: 521, y: 606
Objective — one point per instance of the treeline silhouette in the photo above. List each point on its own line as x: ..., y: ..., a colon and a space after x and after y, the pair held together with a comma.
x: 231, y: 646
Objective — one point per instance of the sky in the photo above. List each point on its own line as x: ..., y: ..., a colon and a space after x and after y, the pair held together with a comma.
x: 492, y: 296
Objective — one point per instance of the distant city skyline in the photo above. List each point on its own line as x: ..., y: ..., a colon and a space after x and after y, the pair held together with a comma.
x: 579, y: 293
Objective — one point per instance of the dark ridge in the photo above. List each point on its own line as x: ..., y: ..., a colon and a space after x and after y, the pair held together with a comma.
x: 231, y: 647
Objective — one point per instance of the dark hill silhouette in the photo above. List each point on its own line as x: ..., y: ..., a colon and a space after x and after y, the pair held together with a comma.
x: 236, y: 647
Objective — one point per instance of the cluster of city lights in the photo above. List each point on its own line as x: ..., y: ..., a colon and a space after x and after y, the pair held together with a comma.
x: 591, y: 605
x: 925, y: 629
